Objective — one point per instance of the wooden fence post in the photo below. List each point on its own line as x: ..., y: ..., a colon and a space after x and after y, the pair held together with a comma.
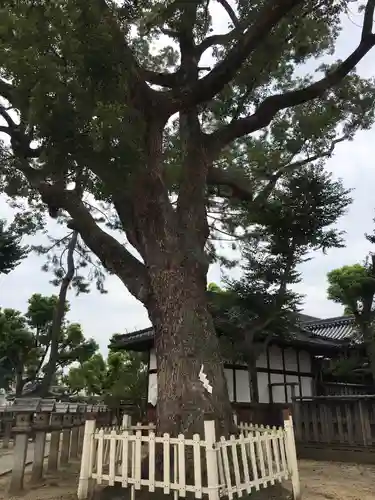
x: 290, y: 445
x: 86, y: 460
x: 211, y: 460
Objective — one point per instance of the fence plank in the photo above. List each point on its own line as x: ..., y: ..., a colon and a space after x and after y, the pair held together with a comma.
x: 276, y: 452
x: 269, y: 457
x: 259, y: 442
x: 112, y: 458
x: 227, y: 475
x: 236, y: 465
x: 137, y: 459
x: 125, y: 458
x: 349, y: 422
x: 99, y: 459
x: 181, y: 466
x: 283, y: 452
x: 245, y: 464
x: 315, y: 421
x: 254, y: 462
x: 151, y: 461
x: 197, y: 466
x: 166, y: 463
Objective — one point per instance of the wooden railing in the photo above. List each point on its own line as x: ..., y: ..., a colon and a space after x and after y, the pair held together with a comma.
x: 348, y: 420
x: 257, y: 457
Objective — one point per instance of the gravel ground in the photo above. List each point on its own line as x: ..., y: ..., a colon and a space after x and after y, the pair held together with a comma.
x: 319, y: 480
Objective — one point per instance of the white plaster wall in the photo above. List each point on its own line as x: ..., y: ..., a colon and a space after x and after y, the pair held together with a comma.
x: 278, y: 392
x: 307, y: 386
x: 264, y: 396
x: 292, y: 378
x: 276, y: 360
x: 262, y: 360
x: 242, y: 386
x: 152, y: 387
x: 229, y: 376
x: 290, y: 357
x: 305, y: 362
x: 152, y: 360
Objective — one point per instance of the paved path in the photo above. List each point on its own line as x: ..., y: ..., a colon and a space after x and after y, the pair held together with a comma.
x: 6, y: 457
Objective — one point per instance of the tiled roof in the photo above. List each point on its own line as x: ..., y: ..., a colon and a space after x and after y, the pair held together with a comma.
x: 328, y: 333
x: 339, y: 328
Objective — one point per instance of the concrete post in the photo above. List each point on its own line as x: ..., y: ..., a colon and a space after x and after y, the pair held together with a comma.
x: 22, y: 431
x: 292, y: 455
x: 86, y: 461
x: 66, y: 436
x: 41, y: 423
x: 54, y: 448
x: 211, y: 460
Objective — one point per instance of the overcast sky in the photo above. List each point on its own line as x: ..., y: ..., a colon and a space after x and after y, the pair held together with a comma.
x: 103, y: 315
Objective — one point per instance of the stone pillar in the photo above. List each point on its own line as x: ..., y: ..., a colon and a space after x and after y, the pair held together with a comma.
x: 75, y: 436
x: 66, y: 435
x: 8, y: 423
x: 54, y: 447
x: 41, y: 425
x: 22, y: 431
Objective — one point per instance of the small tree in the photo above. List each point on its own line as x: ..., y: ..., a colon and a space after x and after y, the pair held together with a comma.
x: 121, y: 378
x: 354, y: 288
x: 11, y: 251
x: 297, y: 218
x: 25, y: 342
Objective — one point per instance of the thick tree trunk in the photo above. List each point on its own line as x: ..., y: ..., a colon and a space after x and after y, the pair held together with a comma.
x: 185, y: 342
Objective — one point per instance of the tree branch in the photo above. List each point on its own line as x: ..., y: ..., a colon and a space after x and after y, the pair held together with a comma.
x: 242, y: 188
x: 273, y: 104
x: 112, y: 254
x: 225, y: 71
x: 230, y: 12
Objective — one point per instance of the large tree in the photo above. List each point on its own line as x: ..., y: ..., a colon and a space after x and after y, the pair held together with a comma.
x: 148, y: 101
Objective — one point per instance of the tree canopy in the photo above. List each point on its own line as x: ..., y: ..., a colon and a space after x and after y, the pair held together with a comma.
x: 120, y: 378
x: 166, y: 124
x: 11, y: 251
x: 353, y: 286
x: 25, y: 342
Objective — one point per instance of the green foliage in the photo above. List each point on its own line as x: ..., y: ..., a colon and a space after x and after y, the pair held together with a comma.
x: 25, y: 341
x: 11, y: 251
x: 87, y: 268
x: 122, y: 377
x: 296, y: 219
x: 351, y: 285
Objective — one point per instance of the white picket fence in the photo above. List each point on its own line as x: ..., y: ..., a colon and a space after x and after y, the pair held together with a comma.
x: 258, y: 457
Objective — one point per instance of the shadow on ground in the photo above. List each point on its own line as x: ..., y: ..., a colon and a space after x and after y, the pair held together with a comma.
x: 276, y: 492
